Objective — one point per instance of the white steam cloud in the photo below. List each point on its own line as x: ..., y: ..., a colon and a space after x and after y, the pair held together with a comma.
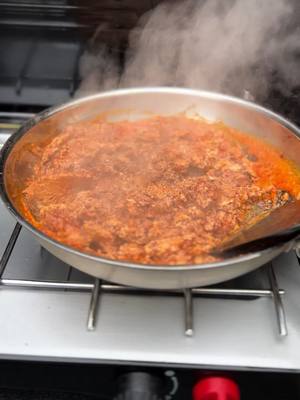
x: 226, y: 46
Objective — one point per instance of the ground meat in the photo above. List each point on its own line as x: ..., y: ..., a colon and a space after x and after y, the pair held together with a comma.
x: 165, y: 190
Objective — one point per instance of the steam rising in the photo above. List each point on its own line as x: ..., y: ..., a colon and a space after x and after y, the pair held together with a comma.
x: 226, y: 46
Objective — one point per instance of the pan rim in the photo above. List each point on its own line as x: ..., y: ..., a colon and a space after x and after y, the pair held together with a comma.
x: 5, y: 151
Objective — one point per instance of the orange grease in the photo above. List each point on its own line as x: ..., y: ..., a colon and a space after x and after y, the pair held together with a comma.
x: 271, y: 167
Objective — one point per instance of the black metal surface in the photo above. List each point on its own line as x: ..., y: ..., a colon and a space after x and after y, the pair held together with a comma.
x: 43, y: 381
x: 41, y: 43
x: 286, y: 104
x: 13, y: 394
x: 38, y: 68
x: 28, y: 381
x: 72, y: 14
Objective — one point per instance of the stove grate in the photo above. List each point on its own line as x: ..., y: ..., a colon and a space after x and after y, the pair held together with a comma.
x: 99, y: 287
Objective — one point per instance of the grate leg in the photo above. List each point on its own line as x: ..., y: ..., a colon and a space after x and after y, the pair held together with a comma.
x: 9, y: 248
x: 188, y: 310
x: 94, y: 303
x: 280, y: 314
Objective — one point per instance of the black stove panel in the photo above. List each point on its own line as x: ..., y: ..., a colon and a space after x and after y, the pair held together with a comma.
x: 31, y: 381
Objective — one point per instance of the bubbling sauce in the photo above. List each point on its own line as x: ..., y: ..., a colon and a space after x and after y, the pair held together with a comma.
x: 163, y: 190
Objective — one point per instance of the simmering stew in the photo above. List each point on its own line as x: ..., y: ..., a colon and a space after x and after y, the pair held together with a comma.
x: 163, y: 190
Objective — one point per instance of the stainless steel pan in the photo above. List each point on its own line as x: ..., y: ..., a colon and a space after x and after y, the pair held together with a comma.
x: 133, y: 104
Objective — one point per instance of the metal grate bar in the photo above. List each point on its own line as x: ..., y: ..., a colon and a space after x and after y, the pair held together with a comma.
x: 98, y: 287
x: 9, y: 248
x: 113, y: 288
x: 94, y: 304
x: 188, y: 311
x: 280, y: 314
x: 15, y: 115
x: 33, y: 284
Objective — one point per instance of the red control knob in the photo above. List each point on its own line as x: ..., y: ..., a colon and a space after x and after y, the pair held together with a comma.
x: 216, y: 388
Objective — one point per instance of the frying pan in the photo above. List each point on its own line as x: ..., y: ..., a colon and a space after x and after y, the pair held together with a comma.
x: 16, y: 163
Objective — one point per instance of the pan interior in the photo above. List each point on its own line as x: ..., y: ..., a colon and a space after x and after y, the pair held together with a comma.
x: 21, y: 161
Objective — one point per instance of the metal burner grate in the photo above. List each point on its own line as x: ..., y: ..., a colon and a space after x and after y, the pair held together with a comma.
x: 99, y: 287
